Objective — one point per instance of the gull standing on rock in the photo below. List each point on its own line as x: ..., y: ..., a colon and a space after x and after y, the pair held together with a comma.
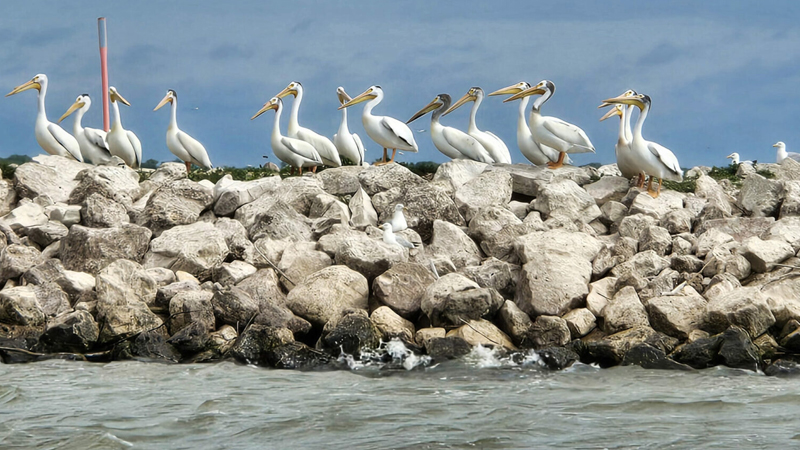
x: 392, y: 239
x: 122, y: 142
x: 91, y: 140
x: 51, y: 137
x: 398, y: 221
x: 185, y: 147
x: 783, y: 154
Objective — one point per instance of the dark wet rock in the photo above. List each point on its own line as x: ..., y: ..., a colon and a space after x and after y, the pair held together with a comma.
x: 546, y: 331
x: 737, y: 350
x: 190, y: 307
x: 91, y: 249
x: 784, y: 367
x: 152, y: 344
x: 297, y: 356
x: 447, y: 348
x: 610, y: 350
x: 558, y: 358
x: 453, y: 299
x: 351, y: 334
x: 46, y: 234
x: 699, y: 354
x: 649, y: 357
x: 75, y: 332
x: 191, y: 339
x: 233, y: 306
x: 257, y: 341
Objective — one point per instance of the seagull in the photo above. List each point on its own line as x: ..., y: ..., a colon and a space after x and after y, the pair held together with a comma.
x: 392, y: 239
x: 734, y: 157
x: 783, y: 154
x: 398, y: 221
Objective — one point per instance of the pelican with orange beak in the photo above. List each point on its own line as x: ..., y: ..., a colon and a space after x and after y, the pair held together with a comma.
x: 348, y: 144
x: 386, y: 131
x: 122, y: 142
x: 325, y: 148
x: 495, y: 146
x: 185, y: 147
x: 627, y: 161
x: 51, y: 137
x: 294, y: 152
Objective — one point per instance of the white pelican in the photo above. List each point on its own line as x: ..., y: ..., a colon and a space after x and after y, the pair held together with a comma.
x: 348, y: 144
x: 655, y: 160
x: 552, y: 131
x: 535, y: 153
x: 325, y: 148
x: 51, y: 137
x: 392, y: 239
x: 626, y: 158
x: 91, y: 140
x: 398, y: 221
x: 452, y: 142
x: 122, y: 142
x: 494, y: 145
x: 734, y: 157
x: 295, y: 152
x: 387, y: 132
x: 179, y: 143
x: 783, y: 154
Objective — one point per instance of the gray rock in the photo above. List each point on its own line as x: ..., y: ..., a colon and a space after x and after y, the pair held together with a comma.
x: 258, y: 343
x: 340, y: 180
x: 546, y: 332
x: 233, y: 272
x: 368, y: 256
x: 763, y: 255
x: 482, y: 332
x: 177, y: 203
x: 607, y: 188
x: 459, y: 171
x: 402, y: 287
x: 197, y: 249
x: 74, y: 332
x: 99, y: 211
x: 120, y: 184
x: 759, y: 196
x: 677, y: 315
x: 17, y: 259
x: 657, y: 239
x: 275, y: 219
x: 784, y: 230
x: 392, y: 325
x: 613, y: 213
x: 25, y: 215
x: 791, y: 199
x: 645, y: 264
x: 263, y: 288
x: 740, y: 228
x: 600, y: 292
x: 300, y: 259
x: 376, y: 179
x: 496, y: 229
x: 326, y: 294
x: 124, y: 289
x: 624, y: 311
x: 46, y: 234
x: 565, y: 198
x: 68, y: 215
x: 488, y: 189
x: 633, y: 226
x: 91, y: 249
x: 656, y: 207
x: 580, y: 322
x: 580, y: 245
x: 49, y: 176
x: 233, y: 306
x: 425, y: 203
x: 165, y: 294
x: 495, y: 274
x: 232, y: 195
x: 553, y: 284
x: 708, y: 188
x: 677, y: 221
x: 451, y: 241
x: 235, y: 236
x: 443, y: 348
x: 744, y: 307
x: 453, y: 299
x: 362, y: 212
x: 351, y: 334
x: 18, y: 306
x: 514, y: 322
x: 8, y: 197
x: 710, y: 240
x: 52, y: 299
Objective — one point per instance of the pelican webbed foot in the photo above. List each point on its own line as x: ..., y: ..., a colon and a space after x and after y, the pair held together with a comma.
x: 557, y: 164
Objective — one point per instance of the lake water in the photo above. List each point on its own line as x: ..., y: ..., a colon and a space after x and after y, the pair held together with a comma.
x: 477, y: 403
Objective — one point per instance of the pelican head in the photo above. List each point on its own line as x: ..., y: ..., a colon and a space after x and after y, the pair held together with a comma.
x: 441, y: 101
x: 294, y: 88
x: 35, y: 83
x: 273, y: 103
x: 473, y: 94
x: 114, y: 96
x: 628, y: 93
x: 343, y: 97
x: 83, y: 101
x: 371, y: 93
x: 779, y: 144
x: 513, y: 89
x: 543, y: 87
x: 639, y: 100
x: 615, y: 111
x: 171, y: 96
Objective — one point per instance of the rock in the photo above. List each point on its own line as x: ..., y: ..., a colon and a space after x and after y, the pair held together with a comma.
x: 763, y: 255
x: 790, y: 206
x: 488, y: 189
x: 784, y: 367
x: 192, y: 339
x: 46, y: 234
x: 263, y: 288
x: 553, y: 284
x: 340, y: 180
x: 759, y: 196
x: 425, y: 203
x: 74, y: 332
x: 558, y: 358
x: 197, y: 249
x: 610, y: 350
x: 645, y: 264
x: 424, y: 335
x: 235, y: 236
x: 18, y: 306
x: 784, y: 230
x: 644, y: 204
x: 191, y: 307
x: 686, y: 263
x: 120, y: 184
x: 482, y: 332
x: 165, y: 294
x: 633, y: 226
x: 8, y: 197
x: 496, y: 229
x: 99, y: 211
x: 677, y: 315
x: 233, y: 306
x: 545, y: 332
x: 231, y: 196
x: 300, y: 259
x: 699, y: 354
x: 402, y: 287
x: 49, y: 176
x: 91, y: 249
x: 459, y: 171
x: 613, y: 213
x: 607, y: 188
x: 565, y: 198
x: 600, y: 292
x: 275, y: 219
x: 737, y: 350
x: 52, y: 299
x: 648, y: 357
x: 326, y: 206
x: 124, y: 289
x: 392, y: 325
x: 744, y: 307
x: 362, y: 213
x: 257, y: 342
x: 450, y: 347
x: 368, y: 256
x: 739, y: 228
x: 376, y: 179
x: 657, y: 239
x: 708, y: 188
x: 78, y: 285
x: 677, y: 221
x: 514, y: 322
x: 452, y: 242
x: 326, y: 294
x: 24, y: 216
x: 454, y: 298
x: 351, y: 334
x: 17, y: 259
x: 68, y: 215
x: 624, y: 311
x: 580, y: 322
x: 493, y: 273
x: 233, y: 272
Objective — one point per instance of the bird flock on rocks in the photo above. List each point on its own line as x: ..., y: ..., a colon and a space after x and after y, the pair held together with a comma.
x: 543, y: 140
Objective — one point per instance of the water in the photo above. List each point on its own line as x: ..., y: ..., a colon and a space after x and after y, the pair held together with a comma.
x: 481, y: 403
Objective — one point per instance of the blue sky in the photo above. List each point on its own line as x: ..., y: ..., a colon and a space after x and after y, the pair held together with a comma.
x: 723, y: 75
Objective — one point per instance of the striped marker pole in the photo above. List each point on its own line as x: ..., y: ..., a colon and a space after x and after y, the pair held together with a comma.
x: 101, y: 32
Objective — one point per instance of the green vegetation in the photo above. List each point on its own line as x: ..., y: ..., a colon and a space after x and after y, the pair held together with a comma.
x: 7, y: 165
x: 150, y: 164
x: 421, y: 168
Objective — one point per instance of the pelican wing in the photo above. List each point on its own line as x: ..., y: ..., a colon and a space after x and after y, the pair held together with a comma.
x: 569, y: 133
x: 137, y: 147
x: 466, y: 145
x: 195, y: 149
x: 65, y: 140
x: 322, y: 145
x: 360, y: 147
x: 301, y: 148
x: 666, y: 157
x: 401, y: 130
x: 97, y: 137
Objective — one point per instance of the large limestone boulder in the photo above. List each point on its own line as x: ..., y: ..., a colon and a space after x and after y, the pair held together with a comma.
x: 91, y: 249
x: 453, y: 299
x: 233, y: 272
x: 362, y: 213
x: 488, y: 189
x: 197, y: 249
x: 273, y: 218
x: 376, y: 179
x: 496, y: 274
x: 351, y: 334
x: 580, y: 322
x: 764, y: 255
x: 645, y: 204
x: 189, y: 307
x: 24, y: 216
x: 19, y: 306
x: 528, y: 179
x: 340, y: 180
x: 17, y: 259
x: 459, y: 171
x: 600, y: 292
x: 326, y: 294
x: 233, y: 306
x: 117, y: 183
x: 124, y: 289
x: 235, y: 236
x: 177, y: 203
x: 99, y: 211
x: 392, y: 325
x: 745, y: 307
x: 67, y: 215
x: 607, y: 189
x: 580, y: 245
x: 482, y: 332
x: 708, y: 188
x: 402, y: 287
x: 546, y: 332
x: 644, y: 264
x: 759, y: 196
x: 48, y: 175
x: 496, y: 229
x: 425, y: 203
x: 566, y: 199
x: 368, y: 256
x: 514, y: 322
x: 300, y: 259
x: 677, y: 315
x: 230, y: 196
x: 451, y: 241
x: 8, y: 197
x: 263, y: 286
x: 624, y: 311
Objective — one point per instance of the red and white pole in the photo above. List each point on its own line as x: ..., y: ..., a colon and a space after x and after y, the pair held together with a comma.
x: 101, y: 31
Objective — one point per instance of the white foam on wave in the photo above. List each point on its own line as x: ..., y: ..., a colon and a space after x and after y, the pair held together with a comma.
x: 398, y: 352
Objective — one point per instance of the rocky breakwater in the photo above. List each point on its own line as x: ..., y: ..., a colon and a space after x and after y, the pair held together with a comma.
x: 568, y: 265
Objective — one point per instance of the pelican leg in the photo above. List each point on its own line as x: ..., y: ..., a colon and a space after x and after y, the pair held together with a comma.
x: 314, y: 169
x: 292, y: 171
x: 383, y: 161
x: 301, y: 170
x: 559, y: 163
x: 640, y: 180
x: 188, y: 167
x: 653, y: 193
x: 394, y: 152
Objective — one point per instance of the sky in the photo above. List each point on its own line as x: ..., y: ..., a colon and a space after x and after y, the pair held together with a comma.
x: 723, y: 75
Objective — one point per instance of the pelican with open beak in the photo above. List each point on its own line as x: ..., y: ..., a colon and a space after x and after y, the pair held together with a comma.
x: 51, y: 137
x: 122, y: 142
x: 294, y: 152
x: 91, y: 140
x: 495, y: 146
x: 552, y: 131
x: 653, y: 159
x: 325, y: 148
x: 452, y: 142
x: 348, y: 144
x: 386, y: 131
x: 185, y: 147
